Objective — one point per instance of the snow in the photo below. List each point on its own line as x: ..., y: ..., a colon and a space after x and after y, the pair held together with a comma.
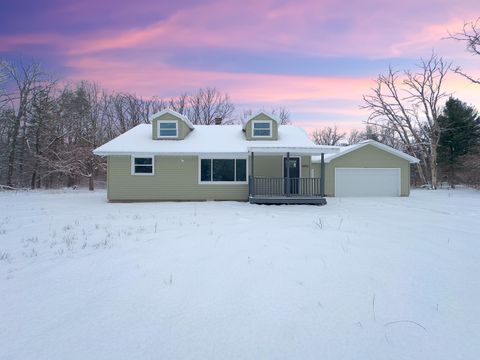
x: 343, y: 150
x: 371, y: 278
x: 175, y: 114
x: 204, y: 139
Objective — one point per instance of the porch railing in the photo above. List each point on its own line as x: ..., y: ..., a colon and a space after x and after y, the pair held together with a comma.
x: 281, y: 186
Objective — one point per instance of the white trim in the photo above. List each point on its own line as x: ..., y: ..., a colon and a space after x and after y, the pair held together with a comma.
x: 132, y: 165
x: 378, y: 145
x: 200, y: 182
x: 276, y: 150
x: 167, y: 122
x: 173, y: 113
x: 262, y: 136
x: 399, y: 178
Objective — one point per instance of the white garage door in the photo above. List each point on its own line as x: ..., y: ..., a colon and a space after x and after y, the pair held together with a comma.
x: 367, y: 182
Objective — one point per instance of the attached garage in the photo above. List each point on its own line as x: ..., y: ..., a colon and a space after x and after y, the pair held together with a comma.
x: 366, y: 169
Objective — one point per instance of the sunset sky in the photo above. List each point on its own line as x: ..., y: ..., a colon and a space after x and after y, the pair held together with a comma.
x: 316, y: 58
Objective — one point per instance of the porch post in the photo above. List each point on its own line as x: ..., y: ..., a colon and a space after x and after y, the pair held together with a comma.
x: 322, y: 175
x: 251, y: 177
x: 288, y: 173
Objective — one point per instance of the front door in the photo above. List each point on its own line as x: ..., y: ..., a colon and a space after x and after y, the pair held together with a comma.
x: 294, y: 174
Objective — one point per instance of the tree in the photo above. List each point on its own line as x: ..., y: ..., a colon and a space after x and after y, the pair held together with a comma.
x: 207, y: 105
x: 282, y: 114
x: 460, y: 125
x: 26, y: 78
x: 470, y: 34
x: 408, y: 104
x: 328, y: 136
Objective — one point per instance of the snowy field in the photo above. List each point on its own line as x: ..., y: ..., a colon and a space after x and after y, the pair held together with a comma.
x: 391, y: 278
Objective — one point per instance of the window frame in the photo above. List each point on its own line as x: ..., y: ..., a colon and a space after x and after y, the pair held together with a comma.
x: 159, y: 122
x: 270, y: 122
x: 211, y: 158
x: 132, y: 165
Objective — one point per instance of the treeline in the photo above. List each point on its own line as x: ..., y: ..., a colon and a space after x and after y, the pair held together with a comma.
x: 48, y: 129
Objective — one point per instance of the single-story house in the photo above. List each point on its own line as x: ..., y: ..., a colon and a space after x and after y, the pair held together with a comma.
x: 262, y: 162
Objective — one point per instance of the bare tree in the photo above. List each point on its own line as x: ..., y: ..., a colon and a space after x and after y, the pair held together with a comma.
x: 470, y: 34
x: 328, y: 136
x: 355, y: 136
x: 207, y: 105
x: 25, y: 79
x: 408, y: 104
x: 282, y: 114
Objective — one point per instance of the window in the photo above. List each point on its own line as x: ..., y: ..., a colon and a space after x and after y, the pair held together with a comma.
x: 167, y: 129
x: 223, y: 170
x: 142, y: 165
x: 261, y: 129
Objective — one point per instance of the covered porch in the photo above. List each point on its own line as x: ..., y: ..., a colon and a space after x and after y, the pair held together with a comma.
x: 292, y: 187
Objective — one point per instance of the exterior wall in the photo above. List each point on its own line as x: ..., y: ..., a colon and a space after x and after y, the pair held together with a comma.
x: 248, y: 128
x: 272, y: 166
x: 177, y: 178
x: 366, y: 157
x: 183, y: 129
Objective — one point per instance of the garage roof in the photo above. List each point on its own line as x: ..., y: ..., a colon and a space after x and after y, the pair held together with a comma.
x: 347, y: 149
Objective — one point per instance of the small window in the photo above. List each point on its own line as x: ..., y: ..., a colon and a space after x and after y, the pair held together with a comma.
x: 262, y: 129
x: 142, y: 166
x: 223, y: 170
x: 167, y: 129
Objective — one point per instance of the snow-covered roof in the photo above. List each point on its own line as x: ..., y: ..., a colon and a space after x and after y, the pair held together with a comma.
x: 211, y: 139
x: 347, y: 149
x: 173, y: 113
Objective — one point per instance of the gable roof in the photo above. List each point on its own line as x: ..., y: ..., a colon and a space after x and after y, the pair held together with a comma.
x: 210, y: 139
x: 173, y: 113
x: 272, y: 117
x: 348, y: 149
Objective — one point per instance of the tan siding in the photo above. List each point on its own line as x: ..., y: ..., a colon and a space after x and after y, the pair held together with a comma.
x: 273, y: 165
x: 183, y: 129
x: 248, y: 128
x: 176, y: 178
x: 366, y: 157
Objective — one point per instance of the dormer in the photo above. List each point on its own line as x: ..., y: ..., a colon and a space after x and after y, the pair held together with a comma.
x: 170, y: 125
x: 262, y: 126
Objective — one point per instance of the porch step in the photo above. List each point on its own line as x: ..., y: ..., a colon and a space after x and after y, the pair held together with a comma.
x: 288, y: 200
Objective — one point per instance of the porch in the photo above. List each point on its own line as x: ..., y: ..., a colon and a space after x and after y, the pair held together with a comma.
x: 272, y: 190
x: 292, y: 187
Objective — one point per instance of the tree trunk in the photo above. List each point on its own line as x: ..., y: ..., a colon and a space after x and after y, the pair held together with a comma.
x: 33, y: 182
x: 11, y: 155
x: 434, y: 167
x: 451, y: 176
x: 91, y: 185
x: 421, y: 174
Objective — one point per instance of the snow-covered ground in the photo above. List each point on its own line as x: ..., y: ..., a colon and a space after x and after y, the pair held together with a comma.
x: 381, y: 278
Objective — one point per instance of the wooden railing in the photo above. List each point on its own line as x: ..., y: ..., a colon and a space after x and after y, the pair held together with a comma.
x: 281, y: 186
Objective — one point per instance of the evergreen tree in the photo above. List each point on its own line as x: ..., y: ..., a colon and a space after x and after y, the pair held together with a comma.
x: 460, y: 132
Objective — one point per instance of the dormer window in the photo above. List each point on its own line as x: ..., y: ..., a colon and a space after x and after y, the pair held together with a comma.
x: 168, y: 129
x: 261, y: 128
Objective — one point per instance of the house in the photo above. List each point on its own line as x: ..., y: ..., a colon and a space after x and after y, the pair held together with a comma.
x: 262, y: 162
